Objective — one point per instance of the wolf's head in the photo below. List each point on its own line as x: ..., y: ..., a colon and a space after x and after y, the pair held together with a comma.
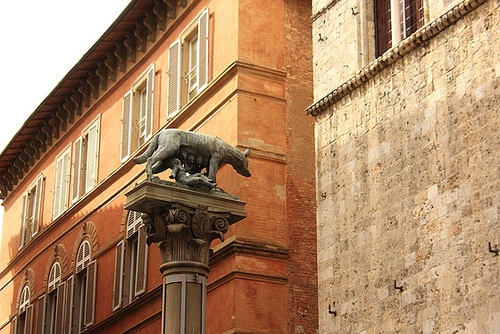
x: 242, y: 165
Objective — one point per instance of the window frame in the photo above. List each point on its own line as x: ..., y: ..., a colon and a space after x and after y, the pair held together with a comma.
x: 133, y: 105
x: 82, y: 149
x: 61, y: 196
x: 179, y: 64
x: 395, y: 23
x: 32, y: 205
x: 131, y: 263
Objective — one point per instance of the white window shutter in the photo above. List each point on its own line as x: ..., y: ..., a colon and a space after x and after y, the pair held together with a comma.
x: 174, y: 78
x: 89, y: 312
x: 126, y: 122
x: 38, y: 203
x: 203, y: 50
x: 28, y: 320
x: 68, y: 305
x: 13, y: 326
x: 57, y: 189
x: 24, y: 216
x: 77, y: 169
x: 65, y: 181
x: 118, y: 282
x: 150, y: 84
x: 133, y: 222
x: 83, y: 256
x: 40, y: 317
x: 61, y: 290
x: 92, y: 157
x: 142, y: 262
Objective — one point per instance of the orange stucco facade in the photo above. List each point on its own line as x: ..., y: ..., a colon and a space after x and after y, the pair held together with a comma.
x: 263, y: 276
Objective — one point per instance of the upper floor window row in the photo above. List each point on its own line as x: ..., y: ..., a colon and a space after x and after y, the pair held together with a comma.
x: 395, y: 21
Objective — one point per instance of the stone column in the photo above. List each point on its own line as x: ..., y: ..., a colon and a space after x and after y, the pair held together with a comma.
x: 183, y: 223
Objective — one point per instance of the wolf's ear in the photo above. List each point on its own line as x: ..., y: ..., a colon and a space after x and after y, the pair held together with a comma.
x: 247, y: 152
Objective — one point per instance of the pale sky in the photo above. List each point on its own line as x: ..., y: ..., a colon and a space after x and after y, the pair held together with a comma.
x: 40, y: 42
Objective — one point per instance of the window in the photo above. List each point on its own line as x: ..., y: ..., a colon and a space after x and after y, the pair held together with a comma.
x: 131, y: 263
x: 137, y: 120
x: 396, y: 20
x: 188, y: 64
x: 61, y: 186
x: 23, y: 322
x: 85, y: 163
x: 31, y: 214
x: 54, y: 300
x: 81, y: 296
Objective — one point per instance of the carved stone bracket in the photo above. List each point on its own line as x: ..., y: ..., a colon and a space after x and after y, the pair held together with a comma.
x: 102, y: 73
x: 76, y: 98
x: 93, y: 81
x: 160, y: 10
x: 110, y: 63
x: 183, y: 222
x: 129, y: 43
x: 150, y: 23
x: 141, y: 32
x: 84, y: 90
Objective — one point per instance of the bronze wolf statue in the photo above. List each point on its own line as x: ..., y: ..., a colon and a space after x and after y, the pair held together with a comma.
x: 196, y: 151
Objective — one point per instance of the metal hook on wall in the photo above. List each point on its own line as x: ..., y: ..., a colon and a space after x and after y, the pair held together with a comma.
x: 332, y: 311
x: 400, y: 288
x: 491, y: 250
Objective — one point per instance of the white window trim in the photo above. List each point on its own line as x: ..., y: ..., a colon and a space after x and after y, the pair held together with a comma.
x: 85, y: 132
x: 138, y: 84
x: 67, y: 150
x: 182, y: 78
x: 36, y: 185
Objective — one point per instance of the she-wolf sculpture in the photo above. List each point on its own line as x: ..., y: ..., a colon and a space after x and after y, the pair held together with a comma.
x: 188, y: 154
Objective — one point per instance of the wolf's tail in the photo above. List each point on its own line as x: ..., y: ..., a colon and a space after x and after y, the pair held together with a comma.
x: 149, y: 151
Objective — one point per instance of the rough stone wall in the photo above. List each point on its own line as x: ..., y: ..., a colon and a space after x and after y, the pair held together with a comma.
x: 408, y: 190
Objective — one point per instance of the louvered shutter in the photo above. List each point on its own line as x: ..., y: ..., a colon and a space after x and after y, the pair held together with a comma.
x: 28, y: 320
x: 142, y: 262
x: 91, y: 292
x: 203, y: 50
x: 65, y: 181
x: 126, y: 120
x: 118, y: 283
x: 69, y: 305
x: 38, y: 203
x: 24, y: 216
x: 150, y: 83
x: 13, y: 326
x: 83, y: 256
x: 133, y: 222
x: 92, y: 156
x: 61, y: 289
x: 77, y: 169
x: 174, y: 75
x: 40, y: 316
x: 57, y: 189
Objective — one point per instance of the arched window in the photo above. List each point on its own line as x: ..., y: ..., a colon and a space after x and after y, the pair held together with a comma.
x: 84, y: 288
x: 54, y: 308
x: 23, y: 323
x: 131, y: 263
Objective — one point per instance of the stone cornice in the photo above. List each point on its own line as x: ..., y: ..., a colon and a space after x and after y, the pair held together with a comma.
x: 418, y: 38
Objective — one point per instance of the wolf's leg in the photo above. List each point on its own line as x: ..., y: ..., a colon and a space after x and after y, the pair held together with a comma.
x: 160, y: 155
x: 213, y: 166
